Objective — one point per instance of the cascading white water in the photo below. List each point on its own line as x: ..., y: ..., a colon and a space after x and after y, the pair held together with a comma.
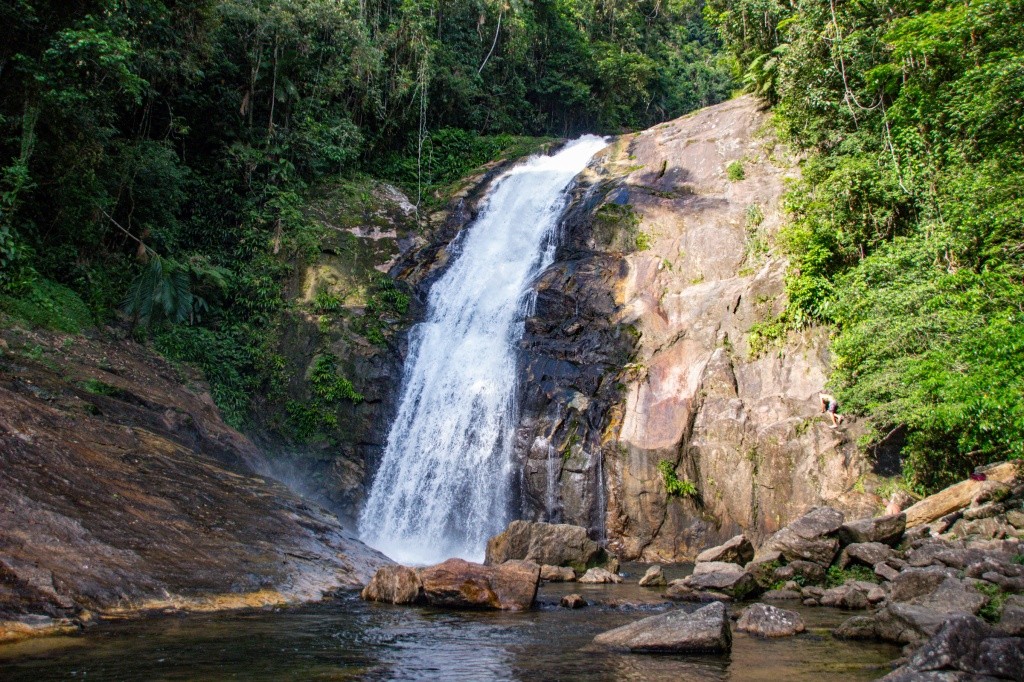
x: 443, y: 484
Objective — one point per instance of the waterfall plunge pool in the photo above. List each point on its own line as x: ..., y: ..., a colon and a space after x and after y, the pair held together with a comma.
x: 348, y: 639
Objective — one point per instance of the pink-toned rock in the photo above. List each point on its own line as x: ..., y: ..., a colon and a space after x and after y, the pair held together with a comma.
x: 460, y: 584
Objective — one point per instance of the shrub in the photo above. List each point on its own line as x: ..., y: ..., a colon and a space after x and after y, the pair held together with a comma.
x: 675, y: 486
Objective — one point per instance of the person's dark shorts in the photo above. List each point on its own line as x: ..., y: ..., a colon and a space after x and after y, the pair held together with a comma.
x: 832, y: 406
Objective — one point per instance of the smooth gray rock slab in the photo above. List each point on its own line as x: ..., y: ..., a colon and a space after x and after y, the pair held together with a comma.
x: 737, y: 550
x: 765, y: 620
x: 706, y: 630
x: 736, y: 584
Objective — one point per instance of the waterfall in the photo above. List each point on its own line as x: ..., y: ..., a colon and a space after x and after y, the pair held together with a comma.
x: 443, y: 484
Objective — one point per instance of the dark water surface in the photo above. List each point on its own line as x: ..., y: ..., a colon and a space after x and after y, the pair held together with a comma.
x: 347, y: 639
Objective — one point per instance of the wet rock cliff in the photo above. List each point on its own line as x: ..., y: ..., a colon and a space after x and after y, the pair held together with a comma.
x: 121, y: 489
x: 638, y: 369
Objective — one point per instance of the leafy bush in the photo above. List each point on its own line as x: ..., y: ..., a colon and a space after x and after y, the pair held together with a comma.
x: 836, y: 576
x: 734, y: 171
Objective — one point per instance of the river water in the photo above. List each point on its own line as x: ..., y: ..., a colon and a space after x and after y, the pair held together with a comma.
x: 443, y: 484
x: 348, y: 639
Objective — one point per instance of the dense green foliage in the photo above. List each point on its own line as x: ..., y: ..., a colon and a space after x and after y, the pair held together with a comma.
x: 907, y: 229
x: 156, y: 155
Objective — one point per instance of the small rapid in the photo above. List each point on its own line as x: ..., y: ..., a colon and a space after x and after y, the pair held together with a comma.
x: 443, y: 484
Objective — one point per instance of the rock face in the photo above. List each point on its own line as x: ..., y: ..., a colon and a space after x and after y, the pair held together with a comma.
x: 769, y: 621
x: 121, y: 489
x: 460, y: 584
x: 555, y: 544
x: 635, y: 356
x: 703, y: 631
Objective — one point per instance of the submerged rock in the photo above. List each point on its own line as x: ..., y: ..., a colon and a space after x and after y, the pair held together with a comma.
x: 770, y: 621
x: 394, y: 585
x: 598, y: 576
x: 573, y: 601
x: 460, y: 584
x: 554, y: 544
x: 703, y: 631
x: 654, y: 577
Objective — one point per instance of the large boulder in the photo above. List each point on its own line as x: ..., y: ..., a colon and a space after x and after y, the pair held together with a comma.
x: 394, y: 585
x: 897, y: 623
x: 460, y: 584
x: 599, y: 576
x: 738, y: 550
x: 720, y: 577
x: 810, y: 538
x: 555, y: 544
x: 936, y: 590
x: 885, y: 529
x: 703, y: 631
x: 864, y: 553
x: 965, y: 648
x: 770, y: 621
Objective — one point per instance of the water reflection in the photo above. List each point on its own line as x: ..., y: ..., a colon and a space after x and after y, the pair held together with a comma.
x: 350, y: 640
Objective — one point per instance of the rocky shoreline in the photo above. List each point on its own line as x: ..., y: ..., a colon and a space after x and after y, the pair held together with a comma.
x: 948, y: 587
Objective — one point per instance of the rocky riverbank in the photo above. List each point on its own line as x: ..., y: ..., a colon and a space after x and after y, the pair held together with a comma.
x: 943, y: 578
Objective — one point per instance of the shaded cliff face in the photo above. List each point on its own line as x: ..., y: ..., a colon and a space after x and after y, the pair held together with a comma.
x: 640, y: 347
x: 122, y: 489
x: 375, y: 248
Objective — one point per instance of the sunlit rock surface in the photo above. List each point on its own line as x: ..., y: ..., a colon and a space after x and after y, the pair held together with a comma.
x: 639, y: 351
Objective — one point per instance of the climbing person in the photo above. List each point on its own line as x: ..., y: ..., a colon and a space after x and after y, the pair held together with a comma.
x: 830, y: 406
